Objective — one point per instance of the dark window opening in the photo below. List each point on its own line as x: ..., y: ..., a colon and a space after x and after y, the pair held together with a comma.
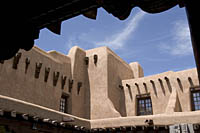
x: 63, y: 104
x: 144, y: 105
x: 195, y: 98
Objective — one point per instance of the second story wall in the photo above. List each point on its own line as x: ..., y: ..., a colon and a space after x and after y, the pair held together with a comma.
x: 24, y: 78
x: 80, y: 92
x: 169, y: 91
x: 118, y: 70
x: 105, y: 76
x: 101, y: 106
x: 96, y: 83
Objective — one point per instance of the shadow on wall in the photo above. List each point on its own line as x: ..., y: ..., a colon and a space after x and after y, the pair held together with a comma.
x: 168, y: 84
x: 130, y: 92
x: 138, y: 88
x: 178, y: 107
x: 154, y: 88
x: 87, y: 95
x: 162, y: 86
x: 180, y: 84
x: 80, y: 88
x: 190, y: 81
x: 117, y: 96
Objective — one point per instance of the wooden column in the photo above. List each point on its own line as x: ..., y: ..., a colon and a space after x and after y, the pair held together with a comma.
x: 192, y: 8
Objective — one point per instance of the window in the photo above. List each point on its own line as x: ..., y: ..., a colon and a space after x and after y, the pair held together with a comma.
x: 63, y: 104
x: 195, y: 95
x: 144, y: 105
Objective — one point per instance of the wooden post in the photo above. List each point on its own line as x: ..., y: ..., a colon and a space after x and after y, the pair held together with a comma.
x: 192, y: 7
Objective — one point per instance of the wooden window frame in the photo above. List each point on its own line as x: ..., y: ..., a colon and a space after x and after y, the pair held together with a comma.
x: 195, y: 89
x: 64, y: 108
x: 144, y: 98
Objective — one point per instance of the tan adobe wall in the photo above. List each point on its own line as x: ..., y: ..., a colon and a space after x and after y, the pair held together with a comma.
x: 104, y: 77
x: 101, y: 106
x: 34, y: 110
x: 10, y: 104
x: 118, y: 70
x: 98, y: 95
x: 99, y: 89
x: 137, y: 70
x: 159, y: 120
x: 80, y: 96
x: 167, y: 97
x: 21, y: 83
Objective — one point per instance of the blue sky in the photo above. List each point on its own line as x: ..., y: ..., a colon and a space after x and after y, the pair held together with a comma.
x: 159, y: 42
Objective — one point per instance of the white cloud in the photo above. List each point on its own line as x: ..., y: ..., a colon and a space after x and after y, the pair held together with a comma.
x: 181, y: 45
x: 92, y: 38
x: 70, y: 42
x: 82, y: 39
x: 119, y: 39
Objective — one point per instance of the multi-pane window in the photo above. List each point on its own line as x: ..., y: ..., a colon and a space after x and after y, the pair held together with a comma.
x: 144, y: 106
x: 195, y: 95
x: 63, y: 104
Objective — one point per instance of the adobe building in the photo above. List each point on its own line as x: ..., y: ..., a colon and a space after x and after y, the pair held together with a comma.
x: 94, y: 91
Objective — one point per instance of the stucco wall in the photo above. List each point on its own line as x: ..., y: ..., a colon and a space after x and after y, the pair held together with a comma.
x: 24, y: 86
x: 99, y: 95
x: 118, y: 70
x: 101, y: 106
x: 107, y: 99
x: 104, y: 91
x: 166, y: 96
x: 80, y: 96
x: 137, y: 69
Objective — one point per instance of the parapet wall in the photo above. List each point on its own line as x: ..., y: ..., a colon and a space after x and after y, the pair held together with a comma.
x: 169, y: 91
x: 36, y: 77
